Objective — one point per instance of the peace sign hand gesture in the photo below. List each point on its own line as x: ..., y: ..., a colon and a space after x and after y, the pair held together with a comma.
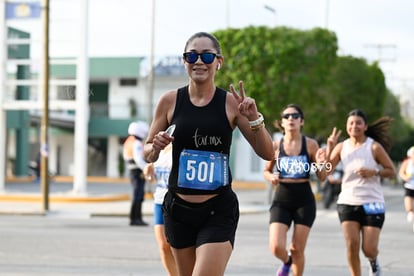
x: 247, y: 106
x: 333, y: 138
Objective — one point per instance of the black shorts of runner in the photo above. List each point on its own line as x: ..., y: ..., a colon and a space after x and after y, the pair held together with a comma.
x: 357, y: 213
x: 409, y: 192
x: 193, y: 224
x: 293, y: 202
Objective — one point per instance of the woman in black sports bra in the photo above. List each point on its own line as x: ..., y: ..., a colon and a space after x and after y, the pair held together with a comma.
x: 295, y: 157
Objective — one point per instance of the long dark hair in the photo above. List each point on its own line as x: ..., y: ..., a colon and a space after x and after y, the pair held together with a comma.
x: 378, y: 130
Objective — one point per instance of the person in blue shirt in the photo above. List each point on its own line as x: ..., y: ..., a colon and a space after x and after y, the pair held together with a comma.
x: 158, y: 174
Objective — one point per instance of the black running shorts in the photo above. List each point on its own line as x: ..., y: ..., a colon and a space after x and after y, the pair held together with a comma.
x: 293, y: 202
x: 408, y: 192
x: 193, y: 224
x: 357, y: 213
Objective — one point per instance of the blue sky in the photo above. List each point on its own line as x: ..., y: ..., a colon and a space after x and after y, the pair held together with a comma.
x: 372, y: 29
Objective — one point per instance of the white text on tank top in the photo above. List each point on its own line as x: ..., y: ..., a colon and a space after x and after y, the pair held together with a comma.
x: 356, y: 190
x: 162, y: 169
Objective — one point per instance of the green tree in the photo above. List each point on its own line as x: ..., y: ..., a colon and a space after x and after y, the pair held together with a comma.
x: 402, y: 131
x: 285, y: 65
x: 354, y: 84
x: 279, y: 66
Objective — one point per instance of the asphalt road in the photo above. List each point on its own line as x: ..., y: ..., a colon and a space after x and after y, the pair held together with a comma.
x: 106, y: 245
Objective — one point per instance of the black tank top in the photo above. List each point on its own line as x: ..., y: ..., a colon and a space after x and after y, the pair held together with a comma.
x: 293, y: 167
x: 204, y: 128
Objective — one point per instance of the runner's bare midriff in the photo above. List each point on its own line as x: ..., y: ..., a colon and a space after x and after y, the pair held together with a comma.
x: 196, y: 198
x: 293, y: 181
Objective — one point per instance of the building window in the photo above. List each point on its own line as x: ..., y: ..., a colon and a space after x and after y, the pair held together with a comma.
x: 128, y: 82
x: 66, y: 92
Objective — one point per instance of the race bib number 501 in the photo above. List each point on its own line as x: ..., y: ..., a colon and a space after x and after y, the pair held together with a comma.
x: 203, y: 170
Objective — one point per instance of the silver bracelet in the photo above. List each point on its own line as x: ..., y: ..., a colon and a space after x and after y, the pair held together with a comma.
x: 258, y: 121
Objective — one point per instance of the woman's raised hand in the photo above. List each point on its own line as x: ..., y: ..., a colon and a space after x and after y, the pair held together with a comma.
x: 247, y: 105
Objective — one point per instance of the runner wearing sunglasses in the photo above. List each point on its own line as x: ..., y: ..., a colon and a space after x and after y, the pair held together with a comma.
x: 201, y: 211
x: 295, y: 155
x: 207, y: 58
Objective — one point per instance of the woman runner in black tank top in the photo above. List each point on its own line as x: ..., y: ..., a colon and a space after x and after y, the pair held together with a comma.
x: 293, y: 202
x: 200, y: 208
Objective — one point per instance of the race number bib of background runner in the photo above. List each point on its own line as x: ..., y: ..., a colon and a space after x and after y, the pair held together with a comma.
x: 374, y: 208
x: 203, y: 170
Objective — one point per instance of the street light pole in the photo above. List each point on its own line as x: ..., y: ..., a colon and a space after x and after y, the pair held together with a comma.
x: 3, y: 118
x: 151, y: 66
x: 272, y: 10
x: 327, y: 14
x: 227, y: 14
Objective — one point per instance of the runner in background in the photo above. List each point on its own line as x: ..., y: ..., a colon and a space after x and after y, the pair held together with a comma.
x: 135, y: 163
x: 406, y: 173
x: 361, y: 202
x: 295, y: 157
x: 158, y: 174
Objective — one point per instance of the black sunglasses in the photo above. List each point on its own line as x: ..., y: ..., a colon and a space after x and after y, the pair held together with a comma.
x: 294, y: 115
x: 207, y: 58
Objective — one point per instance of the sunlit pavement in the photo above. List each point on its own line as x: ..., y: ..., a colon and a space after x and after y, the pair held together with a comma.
x: 94, y: 238
x: 104, y: 198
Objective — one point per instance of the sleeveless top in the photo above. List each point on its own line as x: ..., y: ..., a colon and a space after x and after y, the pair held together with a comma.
x: 133, y: 153
x: 293, y: 167
x: 356, y: 190
x: 201, y: 128
x: 162, y: 168
x: 128, y: 152
x: 409, y: 170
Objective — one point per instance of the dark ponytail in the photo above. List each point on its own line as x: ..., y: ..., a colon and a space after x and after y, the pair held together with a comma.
x: 378, y: 130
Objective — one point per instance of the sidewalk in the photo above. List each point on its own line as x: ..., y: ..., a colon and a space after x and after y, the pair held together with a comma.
x: 111, y: 197
x: 104, y: 197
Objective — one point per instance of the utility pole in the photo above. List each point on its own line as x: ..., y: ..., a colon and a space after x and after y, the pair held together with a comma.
x: 44, y: 135
x: 380, y: 47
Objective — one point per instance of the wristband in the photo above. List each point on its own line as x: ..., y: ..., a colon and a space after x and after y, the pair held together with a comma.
x: 256, y: 128
x: 258, y: 121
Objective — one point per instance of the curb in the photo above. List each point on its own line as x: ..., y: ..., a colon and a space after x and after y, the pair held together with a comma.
x: 236, y: 184
x: 64, y: 198
x: 95, y: 198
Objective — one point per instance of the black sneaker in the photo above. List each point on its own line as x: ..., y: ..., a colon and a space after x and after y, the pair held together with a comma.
x: 138, y: 222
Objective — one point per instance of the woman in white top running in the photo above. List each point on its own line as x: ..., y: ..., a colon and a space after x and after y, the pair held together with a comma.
x: 360, y: 204
x: 407, y: 175
x: 158, y: 173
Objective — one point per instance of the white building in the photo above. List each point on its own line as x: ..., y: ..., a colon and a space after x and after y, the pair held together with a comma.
x: 118, y: 94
